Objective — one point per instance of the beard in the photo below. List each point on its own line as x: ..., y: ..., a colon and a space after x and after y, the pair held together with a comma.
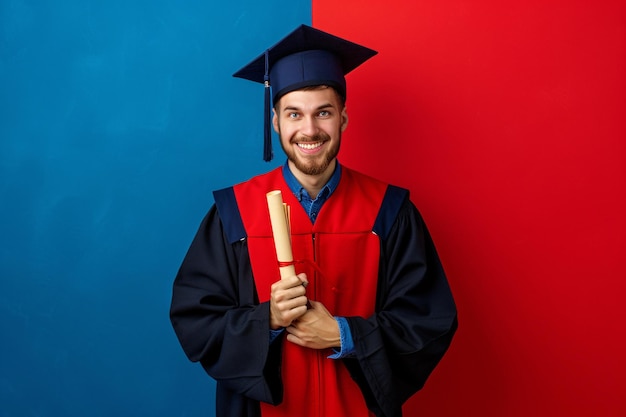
x: 313, y: 165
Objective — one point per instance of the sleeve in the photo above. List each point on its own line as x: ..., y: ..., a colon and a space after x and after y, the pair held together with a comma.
x: 218, y: 320
x: 400, y: 345
x: 345, y: 335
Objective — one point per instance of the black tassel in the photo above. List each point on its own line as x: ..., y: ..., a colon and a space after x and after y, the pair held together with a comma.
x: 267, y: 130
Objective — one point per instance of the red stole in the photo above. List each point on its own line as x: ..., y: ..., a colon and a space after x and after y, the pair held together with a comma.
x: 342, y: 244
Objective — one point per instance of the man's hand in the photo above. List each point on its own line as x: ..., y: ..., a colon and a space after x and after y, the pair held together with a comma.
x: 287, y: 301
x: 315, y: 329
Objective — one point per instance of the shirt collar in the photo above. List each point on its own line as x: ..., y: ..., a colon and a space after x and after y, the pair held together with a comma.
x: 298, y: 190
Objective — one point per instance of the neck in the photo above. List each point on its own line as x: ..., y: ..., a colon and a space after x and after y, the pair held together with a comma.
x: 313, y: 183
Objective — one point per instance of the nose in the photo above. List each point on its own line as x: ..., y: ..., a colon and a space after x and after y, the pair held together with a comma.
x: 309, y: 126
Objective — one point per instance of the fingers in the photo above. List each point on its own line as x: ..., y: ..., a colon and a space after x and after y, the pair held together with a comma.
x: 288, y: 300
x: 289, y: 287
x: 316, y: 329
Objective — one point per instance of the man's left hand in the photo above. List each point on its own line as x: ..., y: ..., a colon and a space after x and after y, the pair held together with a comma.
x: 315, y: 329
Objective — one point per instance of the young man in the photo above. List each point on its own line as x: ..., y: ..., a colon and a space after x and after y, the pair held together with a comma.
x: 369, y: 314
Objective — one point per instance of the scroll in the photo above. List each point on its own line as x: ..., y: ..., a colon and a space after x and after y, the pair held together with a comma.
x: 279, y: 217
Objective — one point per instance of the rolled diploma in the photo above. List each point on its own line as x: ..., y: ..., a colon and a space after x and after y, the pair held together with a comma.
x: 280, y: 230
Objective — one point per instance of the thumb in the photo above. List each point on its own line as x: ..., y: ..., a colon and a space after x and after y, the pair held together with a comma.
x: 303, y: 279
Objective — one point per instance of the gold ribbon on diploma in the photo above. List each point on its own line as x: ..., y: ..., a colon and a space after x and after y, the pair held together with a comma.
x: 279, y: 217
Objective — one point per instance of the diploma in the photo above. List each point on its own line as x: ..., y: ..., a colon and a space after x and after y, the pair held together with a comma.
x: 279, y: 218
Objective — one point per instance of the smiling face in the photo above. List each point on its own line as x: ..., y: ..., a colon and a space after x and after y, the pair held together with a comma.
x: 309, y: 123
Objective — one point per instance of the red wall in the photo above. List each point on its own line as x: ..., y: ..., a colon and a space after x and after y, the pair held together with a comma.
x: 507, y: 122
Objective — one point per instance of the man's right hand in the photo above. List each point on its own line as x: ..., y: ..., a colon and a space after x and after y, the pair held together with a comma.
x: 288, y: 301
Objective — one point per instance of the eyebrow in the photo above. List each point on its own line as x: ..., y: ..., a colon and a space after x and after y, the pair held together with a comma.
x: 321, y: 107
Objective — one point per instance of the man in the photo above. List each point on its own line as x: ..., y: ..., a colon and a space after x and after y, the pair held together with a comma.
x: 369, y: 314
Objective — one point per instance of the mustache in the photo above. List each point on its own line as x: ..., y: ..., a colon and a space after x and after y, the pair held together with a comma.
x: 319, y: 137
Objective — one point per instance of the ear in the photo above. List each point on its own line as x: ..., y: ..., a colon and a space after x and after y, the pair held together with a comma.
x: 275, y: 121
x: 344, y: 119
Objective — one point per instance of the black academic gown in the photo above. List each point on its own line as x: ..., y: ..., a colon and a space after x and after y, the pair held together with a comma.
x: 220, y: 323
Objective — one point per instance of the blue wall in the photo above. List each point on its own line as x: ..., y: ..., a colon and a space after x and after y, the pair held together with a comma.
x: 117, y: 119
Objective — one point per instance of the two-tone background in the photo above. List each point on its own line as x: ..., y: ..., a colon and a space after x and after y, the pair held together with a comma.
x: 505, y: 120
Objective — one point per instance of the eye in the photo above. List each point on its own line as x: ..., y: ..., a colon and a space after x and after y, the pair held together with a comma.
x: 292, y: 115
x: 324, y: 113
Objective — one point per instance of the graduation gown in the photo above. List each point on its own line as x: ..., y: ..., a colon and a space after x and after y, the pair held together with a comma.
x: 222, y: 322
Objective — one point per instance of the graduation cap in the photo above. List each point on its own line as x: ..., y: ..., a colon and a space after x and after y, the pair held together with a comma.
x: 306, y: 57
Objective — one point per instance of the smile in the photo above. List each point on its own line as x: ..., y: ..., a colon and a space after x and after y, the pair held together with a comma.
x: 309, y: 146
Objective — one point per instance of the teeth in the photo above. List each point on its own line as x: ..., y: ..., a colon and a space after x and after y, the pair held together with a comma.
x: 309, y: 146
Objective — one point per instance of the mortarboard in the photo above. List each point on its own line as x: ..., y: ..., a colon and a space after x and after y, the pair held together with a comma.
x: 305, y: 57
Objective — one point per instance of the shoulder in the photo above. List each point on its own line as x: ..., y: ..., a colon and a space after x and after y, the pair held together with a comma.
x: 230, y: 200
x: 228, y: 212
x: 353, y: 175
x: 393, y: 198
